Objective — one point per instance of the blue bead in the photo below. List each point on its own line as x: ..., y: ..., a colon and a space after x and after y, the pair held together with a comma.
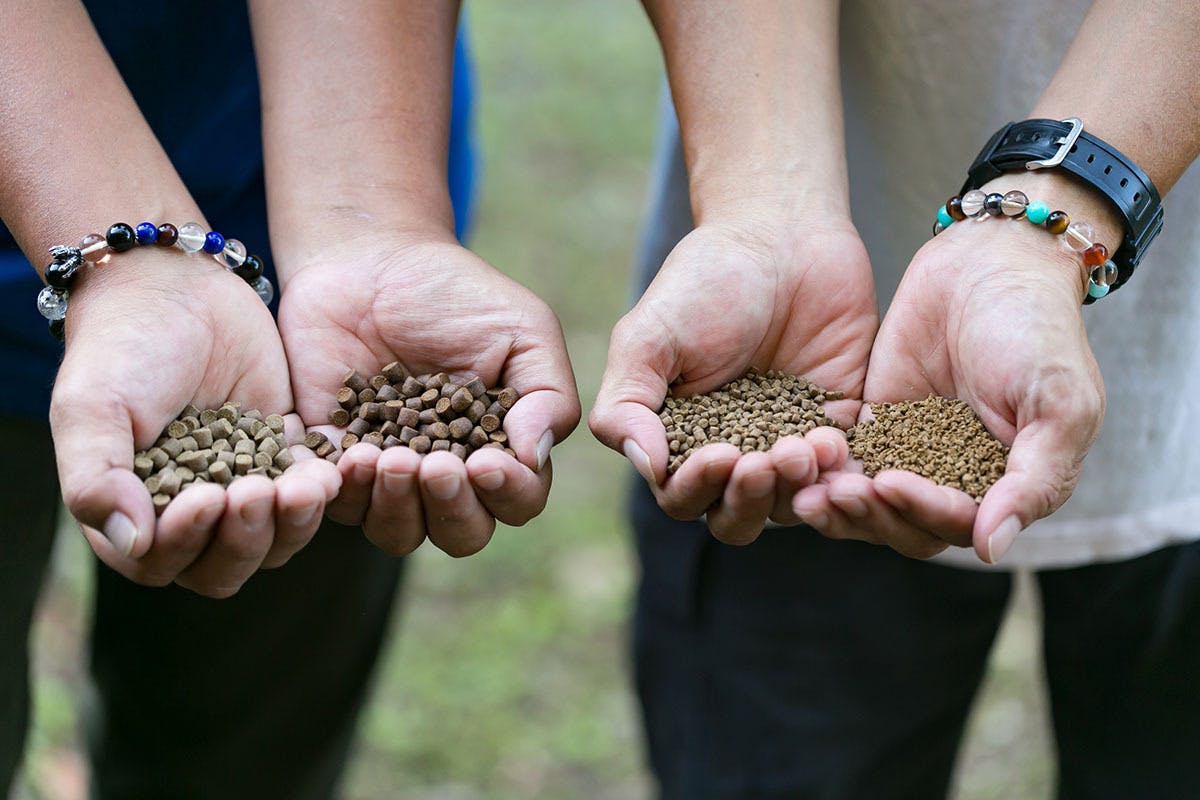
x: 1096, y: 290
x: 147, y: 233
x: 214, y: 243
x: 944, y: 217
x: 1037, y: 212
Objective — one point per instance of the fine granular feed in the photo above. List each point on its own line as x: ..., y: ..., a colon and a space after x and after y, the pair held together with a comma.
x: 938, y: 438
x: 217, y: 445
x: 426, y: 413
x: 750, y: 413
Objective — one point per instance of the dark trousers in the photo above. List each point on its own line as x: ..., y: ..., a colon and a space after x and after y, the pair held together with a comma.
x: 251, y: 697
x: 800, y: 667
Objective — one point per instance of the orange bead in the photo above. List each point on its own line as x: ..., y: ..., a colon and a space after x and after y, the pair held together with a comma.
x: 1095, y: 255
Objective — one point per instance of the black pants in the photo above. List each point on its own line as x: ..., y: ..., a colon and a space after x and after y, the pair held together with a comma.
x: 251, y: 697
x: 800, y: 667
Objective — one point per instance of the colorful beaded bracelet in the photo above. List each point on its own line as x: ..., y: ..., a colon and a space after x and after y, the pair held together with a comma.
x: 96, y: 249
x: 1078, y: 236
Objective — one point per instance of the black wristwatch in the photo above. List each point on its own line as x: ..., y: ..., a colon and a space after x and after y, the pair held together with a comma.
x: 1040, y: 143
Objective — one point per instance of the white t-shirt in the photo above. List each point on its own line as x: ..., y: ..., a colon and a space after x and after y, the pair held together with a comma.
x: 926, y: 84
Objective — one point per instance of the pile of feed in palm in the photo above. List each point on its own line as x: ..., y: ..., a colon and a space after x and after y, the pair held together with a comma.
x: 216, y: 445
x: 425, y: 413
x: 938, y: 438
x: 750, y: 413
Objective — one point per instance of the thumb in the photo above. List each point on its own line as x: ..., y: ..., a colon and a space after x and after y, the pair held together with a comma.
x: 625, y: 416
x: 93, y: 442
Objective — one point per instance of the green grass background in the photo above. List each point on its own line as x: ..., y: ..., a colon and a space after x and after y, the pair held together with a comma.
x: 507, y: 676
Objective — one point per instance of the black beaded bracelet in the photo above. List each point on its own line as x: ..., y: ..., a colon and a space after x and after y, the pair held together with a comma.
x: 97, y: 250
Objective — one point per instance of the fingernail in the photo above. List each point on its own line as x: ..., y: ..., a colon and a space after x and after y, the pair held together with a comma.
x: 120, y: 530
x: 760, y: 484
x: 826, y: 451
x: 206, y: 516
x: 641, y: 462
x: 363, y: 472
x: 491, y: 481
x: 716, y: 472
x: 543, y: 449
x: 444, y: 487
x: 304, y: 514
x: 397, y: 482
x: 1002, y: 538
x: 255, y: 512
x: 852, y: 506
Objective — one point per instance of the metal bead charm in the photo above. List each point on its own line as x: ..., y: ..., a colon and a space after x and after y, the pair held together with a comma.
x: 191, y: 237
x: 52, y: 303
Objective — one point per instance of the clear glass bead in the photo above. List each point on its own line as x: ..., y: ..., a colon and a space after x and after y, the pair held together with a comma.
x: 1105, y: 274
x: 191, y: 237
x: 100, y: 255
x: 52, y: 303
x: 1014, y: 204
x: 1079, y: 236
x: 234, y: 254
x: 972, y: 203
x: 264, y: 289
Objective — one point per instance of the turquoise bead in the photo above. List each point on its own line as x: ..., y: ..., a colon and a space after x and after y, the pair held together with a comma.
x: 1096, y: 290
x: 1037, y: 212
x: 944, y: 217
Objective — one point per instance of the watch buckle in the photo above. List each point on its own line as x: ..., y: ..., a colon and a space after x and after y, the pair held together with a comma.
x: 1065, y: 143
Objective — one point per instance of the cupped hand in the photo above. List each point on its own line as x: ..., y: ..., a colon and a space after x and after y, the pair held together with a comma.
x: 988, y: 312
x: 735, y: 294
x: 431, y: 304
x: 147, y: 334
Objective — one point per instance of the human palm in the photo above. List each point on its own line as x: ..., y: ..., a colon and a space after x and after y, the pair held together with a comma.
x: 991, y: 316
x: 434, y: 306
x: 145, y: 337
x: 731, y: 297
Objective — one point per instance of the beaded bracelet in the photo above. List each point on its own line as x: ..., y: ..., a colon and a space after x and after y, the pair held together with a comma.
x: 1078, y: 236
x: 96, y: 250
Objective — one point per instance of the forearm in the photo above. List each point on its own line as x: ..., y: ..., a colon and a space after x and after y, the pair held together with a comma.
x: 1130, y: 75
x: 75, y: 152
x: 359, y: 130
x: 756, y: 86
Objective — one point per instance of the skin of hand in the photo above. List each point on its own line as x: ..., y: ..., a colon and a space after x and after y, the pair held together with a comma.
x: 426, y: 301
x: 734, y: 294
x: 990, y: 312
x: 148, y: 333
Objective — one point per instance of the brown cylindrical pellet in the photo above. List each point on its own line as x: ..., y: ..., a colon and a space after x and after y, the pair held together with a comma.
x: 203, y: 437
x: 263, y: 460
x: 246, y: 447
x: 143, y: 467
x: 448, y: 389
x: 430, y: 396
x: 348, y: 441
x: 228, y: 413
x: 347, y: 398
x: 492, y: 446
x: 414, y: 403
x: 358, y: 426
x: 407, y: 434
x: 243, y: 462
x: 439, y: 445
x: 325, y: 449
x: 191, y: 422
x: 476, y: 387
x: 208, y: 416
x: 374, y: 437
x: 423, y: 379
x: 270, y: 446
x: 394, y: 372
x: 168, y: 483
x: 283, y: 459
x: 508, y: 451
x: 411, y: 387
x: 497, y: 410
x: 478, y: 437
x: 355, y: 381
x: 378, y: 382
x: 460, y: 428
x: 389, y: 428
x: 461, y: 400
x: 189, y: 443
x: 507, y: 398
x: 391, y: 409
x: 428, y: 416
x: 189, y: 411
x: 420, y: 444
x: 274, y: 472
x: 221, y: 445
x: 386, y: 392
x: 367, y: 395
x: 442, y: 407
x: 476, y: 411
x: 459, y: 450
x: 408, y: 417
x: 227, y: 458
x: 184, y: 475
x: 160, y: 501
x: 221, y: 428
x: 177, y: 429
x: 339, y: 417
x: 253, y: 413
x: 274, y: 422
x: 439, y: 430
x: 371, y: 412
x: 498, y: 436
x: 489, y: 422
x: 314, y: 439
x: 392, y: 441
x: 246, y: 425
x: 152, y: 483
x: 257, y: 470
x: 437, y: 381
x: 220, y: 472
x: 158, y: 456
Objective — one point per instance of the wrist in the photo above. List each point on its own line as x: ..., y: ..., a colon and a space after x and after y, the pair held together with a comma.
x: 778, y: 185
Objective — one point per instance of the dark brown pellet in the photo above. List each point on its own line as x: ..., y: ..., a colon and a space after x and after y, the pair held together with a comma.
x: 394, y: 372
x: 489, y: 422
x: 386, y: 392
x: 314, y: 439
x: 378, y: 382
x: 374, y: 437
x: 475, y: 387
x: 389, y: 429
x: 437, y: 381
x: 371, y: 412
x: 407, y: 434
x: 476, y: 411
x: 391, y: 410
x: 325, y: 449
x: 442, y: 407
x: 392, y: 441
x: 420, y: 444
x: 408, y: 417
x: 460, y: 428
x: 348, y: 441
x: 430, y: 396
x: 478, y: 437
x: 347, y: 398
x: 428, y: 416
x: 366, y: 395
x: 498, y: 436
x: 355, y: 381
x: 339, y: 417
x: 143, y: 467
x: 459, y: 450
x: 461, y: 400
x: 414, y: 403
x: 439, y: 430
x: 358, y: 426
x: 411, y: 387
x: 440, y: 444
x: 507, y: 398
x: 448, y: 389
